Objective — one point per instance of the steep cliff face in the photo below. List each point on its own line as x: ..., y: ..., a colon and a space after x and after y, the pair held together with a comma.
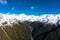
x: 16, y: 32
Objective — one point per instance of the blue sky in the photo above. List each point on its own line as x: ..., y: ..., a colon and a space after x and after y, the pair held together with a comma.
x: 35, y: 7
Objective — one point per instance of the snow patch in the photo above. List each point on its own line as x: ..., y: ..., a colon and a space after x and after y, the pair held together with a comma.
x: 10, y: 19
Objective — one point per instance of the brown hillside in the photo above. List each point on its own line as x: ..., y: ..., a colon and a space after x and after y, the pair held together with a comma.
x: 16, y: 32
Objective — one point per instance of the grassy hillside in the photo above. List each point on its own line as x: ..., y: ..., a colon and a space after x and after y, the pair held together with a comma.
x: 16, y: 32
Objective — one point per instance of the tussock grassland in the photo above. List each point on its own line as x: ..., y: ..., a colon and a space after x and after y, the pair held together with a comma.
x: 16, y: 32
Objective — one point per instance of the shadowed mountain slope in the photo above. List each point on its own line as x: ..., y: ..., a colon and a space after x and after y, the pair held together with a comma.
x: 42, y: 31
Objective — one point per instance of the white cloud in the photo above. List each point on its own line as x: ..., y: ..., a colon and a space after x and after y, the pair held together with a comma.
x: 13, y: 18
x: 3, y: 1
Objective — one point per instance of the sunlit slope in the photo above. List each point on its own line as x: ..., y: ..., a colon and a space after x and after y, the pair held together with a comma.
x: 16, y: 32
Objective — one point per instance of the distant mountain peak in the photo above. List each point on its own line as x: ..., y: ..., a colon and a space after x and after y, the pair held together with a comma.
x: 9, y: 19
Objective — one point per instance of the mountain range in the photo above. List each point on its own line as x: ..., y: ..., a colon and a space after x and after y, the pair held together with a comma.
x: 23, y: 27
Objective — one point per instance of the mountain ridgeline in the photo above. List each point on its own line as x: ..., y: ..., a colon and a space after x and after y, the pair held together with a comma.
x: 30, y: 31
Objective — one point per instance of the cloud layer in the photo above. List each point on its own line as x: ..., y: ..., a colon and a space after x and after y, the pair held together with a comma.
x: 10, y: 19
